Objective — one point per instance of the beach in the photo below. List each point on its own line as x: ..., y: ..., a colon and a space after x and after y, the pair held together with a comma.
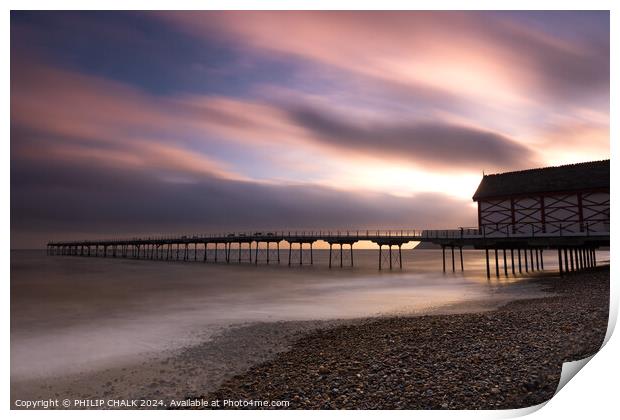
x: 506, y: 358
x: 498, y: 345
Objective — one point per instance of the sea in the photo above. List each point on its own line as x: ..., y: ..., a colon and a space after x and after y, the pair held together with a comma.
x: 70, y: 314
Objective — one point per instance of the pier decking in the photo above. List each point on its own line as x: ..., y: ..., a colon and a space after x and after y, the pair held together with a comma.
x: 575, y: 248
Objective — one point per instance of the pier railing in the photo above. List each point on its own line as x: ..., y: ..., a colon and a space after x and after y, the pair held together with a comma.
x: 497, y: 230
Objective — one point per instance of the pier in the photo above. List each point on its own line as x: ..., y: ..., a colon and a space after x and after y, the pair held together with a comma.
x: 522, y: 216
x: 507, y: 252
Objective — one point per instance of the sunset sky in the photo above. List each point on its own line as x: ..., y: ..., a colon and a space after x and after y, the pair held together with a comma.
x: 128, y: 123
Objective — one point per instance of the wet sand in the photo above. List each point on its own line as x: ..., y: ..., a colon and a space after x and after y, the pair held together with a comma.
x: 199, y: 369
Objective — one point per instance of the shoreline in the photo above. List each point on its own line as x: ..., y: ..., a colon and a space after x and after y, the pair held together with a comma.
x: 237, y: 350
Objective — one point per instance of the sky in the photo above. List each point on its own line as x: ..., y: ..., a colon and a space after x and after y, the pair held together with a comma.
x: 139, y: 123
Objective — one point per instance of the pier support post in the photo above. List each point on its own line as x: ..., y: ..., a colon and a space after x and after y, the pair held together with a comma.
x: 443, y: 254
x: 496, y: 264
x: 542, y: 261
x: 525, y: 260
x: 461, y: 256
x: 519, y: 252
x: 290, y: 250
x: 566, y: 260
x: 400, y: 255
x: 537, y: 261
x: 577, y: 259
x: 486, y: 251
x: 256, y: 254
x: 505, y: 263
x: 311, y: 255
x: 351, y: 245
x: 380, y: 256
x: 512, y: 261
x: 452, y: 251
x: 330, y: 255
x: 585, y: 258
x: 572, y: 264
x: 301, y: 255
x: 278, y: 250
x: 390, y: 256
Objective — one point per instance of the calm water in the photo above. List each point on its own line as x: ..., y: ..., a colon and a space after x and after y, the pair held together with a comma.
x: 69, y: 314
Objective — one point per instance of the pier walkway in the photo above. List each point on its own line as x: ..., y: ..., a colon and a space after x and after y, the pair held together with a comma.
x: 575, y: 249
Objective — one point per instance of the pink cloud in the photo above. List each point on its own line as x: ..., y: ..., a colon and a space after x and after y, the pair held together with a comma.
x: 473, y: 55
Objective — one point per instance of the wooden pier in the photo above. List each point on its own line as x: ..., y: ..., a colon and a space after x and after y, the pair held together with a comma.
x: 519, y: 253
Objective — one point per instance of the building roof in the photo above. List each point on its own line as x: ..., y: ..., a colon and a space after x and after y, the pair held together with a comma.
x: 575, y: 177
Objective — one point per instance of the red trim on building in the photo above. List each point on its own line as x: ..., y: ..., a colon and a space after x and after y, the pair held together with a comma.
x: 542, y: 213
x: 479, y: 218
x: 512, y: 214
x: 580, y: 211
x: 543, y: 194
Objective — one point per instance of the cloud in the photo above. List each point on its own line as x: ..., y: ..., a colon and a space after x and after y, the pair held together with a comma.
x: 478, y: 55
x: 430, y: 143
x: 94, y: 118
x: 51, y: 200
x: 306, y: 130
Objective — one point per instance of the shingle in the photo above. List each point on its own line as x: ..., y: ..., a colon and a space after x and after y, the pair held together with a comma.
x: 575, y: 177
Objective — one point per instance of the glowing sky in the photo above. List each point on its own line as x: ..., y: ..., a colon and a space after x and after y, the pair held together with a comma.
x: 129, y: 123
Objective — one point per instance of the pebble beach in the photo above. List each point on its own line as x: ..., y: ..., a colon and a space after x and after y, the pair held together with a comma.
x: 510, y: 357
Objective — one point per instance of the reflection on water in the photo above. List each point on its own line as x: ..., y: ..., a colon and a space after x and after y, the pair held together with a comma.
x: 74, y: 313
